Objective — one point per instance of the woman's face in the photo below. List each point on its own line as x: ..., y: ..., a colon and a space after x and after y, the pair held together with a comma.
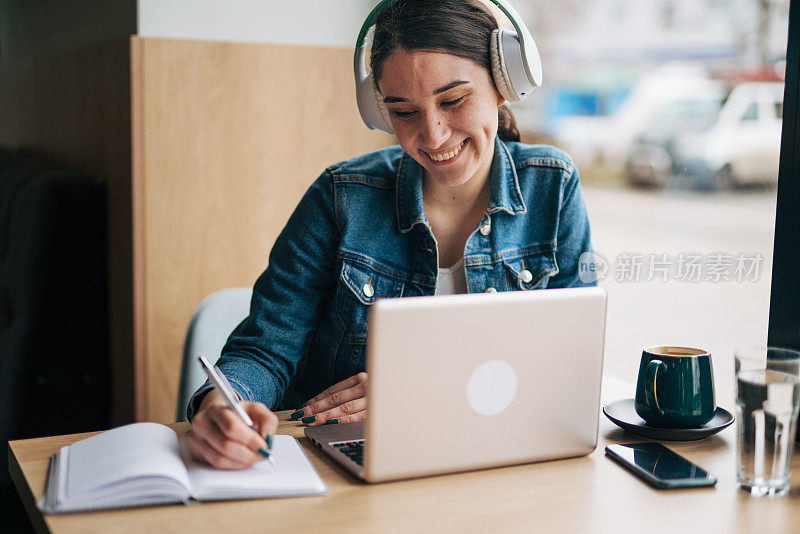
x: 443, y: 109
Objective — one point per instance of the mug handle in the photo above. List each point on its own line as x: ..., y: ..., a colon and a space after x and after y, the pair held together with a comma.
x: 651, y: 383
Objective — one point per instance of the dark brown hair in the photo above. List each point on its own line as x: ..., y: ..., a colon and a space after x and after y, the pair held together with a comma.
x: 462, y: 28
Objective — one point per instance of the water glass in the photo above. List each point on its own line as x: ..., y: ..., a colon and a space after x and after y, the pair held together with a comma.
x: 767, y: 403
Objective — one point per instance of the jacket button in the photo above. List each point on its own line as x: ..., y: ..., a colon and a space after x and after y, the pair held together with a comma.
x: 368, y: 290
x: 485, y: 229
x: 526, y: 275
x: 491, y: 290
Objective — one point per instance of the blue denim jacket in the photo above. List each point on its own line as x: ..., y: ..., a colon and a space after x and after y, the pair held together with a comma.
x: 360, y: 234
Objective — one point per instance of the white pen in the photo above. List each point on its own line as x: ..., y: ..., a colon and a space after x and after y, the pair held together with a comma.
x: 224, y: 388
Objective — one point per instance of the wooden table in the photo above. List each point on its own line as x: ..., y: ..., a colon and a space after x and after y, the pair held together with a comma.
x: 589, y: 494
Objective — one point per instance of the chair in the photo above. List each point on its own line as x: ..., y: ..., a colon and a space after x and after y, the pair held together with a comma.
x: 212, y: 322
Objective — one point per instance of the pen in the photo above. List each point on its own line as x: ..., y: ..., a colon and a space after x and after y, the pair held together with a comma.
x: 224, y: 388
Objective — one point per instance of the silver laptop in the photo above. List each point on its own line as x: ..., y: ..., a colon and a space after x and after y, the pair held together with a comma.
x: 473, y: 381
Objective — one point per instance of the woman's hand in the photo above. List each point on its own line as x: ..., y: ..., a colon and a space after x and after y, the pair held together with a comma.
x: 345, y: 402
x: 220, y: 438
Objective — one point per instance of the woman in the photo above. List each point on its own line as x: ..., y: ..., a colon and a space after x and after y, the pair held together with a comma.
x: 460, y: 206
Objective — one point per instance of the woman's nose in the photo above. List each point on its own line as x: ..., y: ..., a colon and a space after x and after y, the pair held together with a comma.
x: 434, y: 131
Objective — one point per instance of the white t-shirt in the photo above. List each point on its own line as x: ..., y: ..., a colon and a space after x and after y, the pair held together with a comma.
x: 453, y: 280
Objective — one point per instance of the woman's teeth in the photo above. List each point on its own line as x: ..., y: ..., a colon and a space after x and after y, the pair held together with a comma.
x: 447, y: 155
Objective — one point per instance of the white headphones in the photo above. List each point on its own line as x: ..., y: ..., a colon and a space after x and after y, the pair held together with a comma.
x: 516, y: 66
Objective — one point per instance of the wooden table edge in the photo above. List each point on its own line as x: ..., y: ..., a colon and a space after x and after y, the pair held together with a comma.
x: 25, y: 493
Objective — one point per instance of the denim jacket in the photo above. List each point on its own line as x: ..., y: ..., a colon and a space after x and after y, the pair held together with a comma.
x: 359, y: 234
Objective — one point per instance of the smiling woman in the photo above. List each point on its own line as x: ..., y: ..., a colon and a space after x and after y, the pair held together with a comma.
x: 460, y: 206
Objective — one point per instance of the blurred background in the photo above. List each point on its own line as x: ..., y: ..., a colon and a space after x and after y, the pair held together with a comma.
x: 670, y: 94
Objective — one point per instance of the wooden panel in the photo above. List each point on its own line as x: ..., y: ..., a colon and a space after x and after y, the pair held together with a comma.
x: 75, y: 108
x: 231, y: 137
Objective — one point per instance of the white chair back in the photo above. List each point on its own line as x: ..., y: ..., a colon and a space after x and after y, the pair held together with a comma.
x: 213, y: 321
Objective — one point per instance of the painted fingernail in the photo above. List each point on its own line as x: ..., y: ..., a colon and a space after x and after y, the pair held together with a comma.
x: 263, y: 452
x: 269, y: 441
x: 297, y: 415
x: 332, y: 422
x: 309, y: 419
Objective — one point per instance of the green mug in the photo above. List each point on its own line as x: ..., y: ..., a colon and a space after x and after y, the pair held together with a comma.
x: 675, y: 388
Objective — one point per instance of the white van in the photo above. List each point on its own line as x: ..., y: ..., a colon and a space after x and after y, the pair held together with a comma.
x: 676, y: 124
x: 673, y: 100
x: 743, y: 145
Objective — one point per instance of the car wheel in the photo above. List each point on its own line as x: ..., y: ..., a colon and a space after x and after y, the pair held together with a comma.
x: 723, y: 179
x: 642, y: 180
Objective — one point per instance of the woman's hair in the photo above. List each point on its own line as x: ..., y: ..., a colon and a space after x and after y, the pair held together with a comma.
x: 462, y: 28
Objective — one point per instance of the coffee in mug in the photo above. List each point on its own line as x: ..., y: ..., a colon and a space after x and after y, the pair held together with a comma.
x: 675, y: 388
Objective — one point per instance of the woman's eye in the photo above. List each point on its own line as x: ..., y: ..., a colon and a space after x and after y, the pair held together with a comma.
x: 402, y: 114
x: 452, y: 102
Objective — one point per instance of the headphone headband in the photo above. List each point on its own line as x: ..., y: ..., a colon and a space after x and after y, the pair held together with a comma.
x: 528, y: 46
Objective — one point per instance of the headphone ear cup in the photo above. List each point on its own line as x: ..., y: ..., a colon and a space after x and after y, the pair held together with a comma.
x: 383, y: 113
x: 499, y: 70
x: 371, y: 107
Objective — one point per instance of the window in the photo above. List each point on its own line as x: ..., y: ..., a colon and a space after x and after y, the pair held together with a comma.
x: 751, y: 113
x: 649, y: 99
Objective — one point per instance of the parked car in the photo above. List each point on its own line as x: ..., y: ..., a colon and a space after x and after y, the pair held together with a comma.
x: 742, y: 147
x: 660, y: 105
x: 651, y: 157
x: 737, y: 144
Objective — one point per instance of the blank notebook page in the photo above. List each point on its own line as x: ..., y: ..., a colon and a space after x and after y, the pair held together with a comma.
x: 130, y: 452
x: 293, y: 474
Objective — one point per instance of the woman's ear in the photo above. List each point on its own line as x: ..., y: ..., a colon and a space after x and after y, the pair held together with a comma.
x: 500, y: 99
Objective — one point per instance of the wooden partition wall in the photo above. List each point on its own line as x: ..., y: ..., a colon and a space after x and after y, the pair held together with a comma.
x: 226, y: 139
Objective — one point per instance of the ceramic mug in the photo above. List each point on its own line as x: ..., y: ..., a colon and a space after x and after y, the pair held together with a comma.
x: 675, y: 388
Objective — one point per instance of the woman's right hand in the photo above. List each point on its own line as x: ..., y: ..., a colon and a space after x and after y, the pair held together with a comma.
x: 220, y: 438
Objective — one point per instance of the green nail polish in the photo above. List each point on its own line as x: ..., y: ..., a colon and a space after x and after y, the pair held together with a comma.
x: 297, y: 415
x: 263, y: 452
x: 309, y: 419
x: 269, y: 441
x: 332, y: 422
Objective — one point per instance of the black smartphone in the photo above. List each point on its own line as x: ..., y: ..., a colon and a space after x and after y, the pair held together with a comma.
x: 659, y: 466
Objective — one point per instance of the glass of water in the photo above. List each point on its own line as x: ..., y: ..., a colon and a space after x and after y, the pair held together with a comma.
x: 767, y: 403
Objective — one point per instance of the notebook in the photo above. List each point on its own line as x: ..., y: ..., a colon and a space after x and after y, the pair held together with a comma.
x: 147, y: 464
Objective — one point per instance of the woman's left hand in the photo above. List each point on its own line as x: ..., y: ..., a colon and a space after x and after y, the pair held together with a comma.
x: 345, y: 402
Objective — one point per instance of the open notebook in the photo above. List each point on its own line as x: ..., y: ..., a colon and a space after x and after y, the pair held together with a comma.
x: 146, y: 464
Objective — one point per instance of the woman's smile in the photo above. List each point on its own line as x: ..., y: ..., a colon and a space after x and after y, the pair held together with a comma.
x: 447, y: 156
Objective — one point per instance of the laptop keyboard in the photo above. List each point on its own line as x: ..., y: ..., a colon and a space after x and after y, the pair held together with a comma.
x: 353, y: 450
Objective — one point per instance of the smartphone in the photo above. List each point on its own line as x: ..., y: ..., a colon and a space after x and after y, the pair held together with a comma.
x: 659, y: 466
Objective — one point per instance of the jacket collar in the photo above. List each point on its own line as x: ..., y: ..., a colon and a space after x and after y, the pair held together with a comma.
x: 506, y: 195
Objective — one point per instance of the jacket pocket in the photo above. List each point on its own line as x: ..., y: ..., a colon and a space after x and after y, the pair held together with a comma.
x: 530, y: 270
x: 361, y: 283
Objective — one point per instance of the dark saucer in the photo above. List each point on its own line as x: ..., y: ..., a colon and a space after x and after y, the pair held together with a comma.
x: 623, y: 414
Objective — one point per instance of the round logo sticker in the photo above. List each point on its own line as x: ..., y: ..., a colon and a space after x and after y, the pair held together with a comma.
x: 491, y: 387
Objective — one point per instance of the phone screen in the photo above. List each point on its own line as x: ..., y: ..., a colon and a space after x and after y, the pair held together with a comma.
x: 659, y: 465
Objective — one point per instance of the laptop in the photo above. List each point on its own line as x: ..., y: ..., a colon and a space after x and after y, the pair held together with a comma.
x: 463, y: 382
